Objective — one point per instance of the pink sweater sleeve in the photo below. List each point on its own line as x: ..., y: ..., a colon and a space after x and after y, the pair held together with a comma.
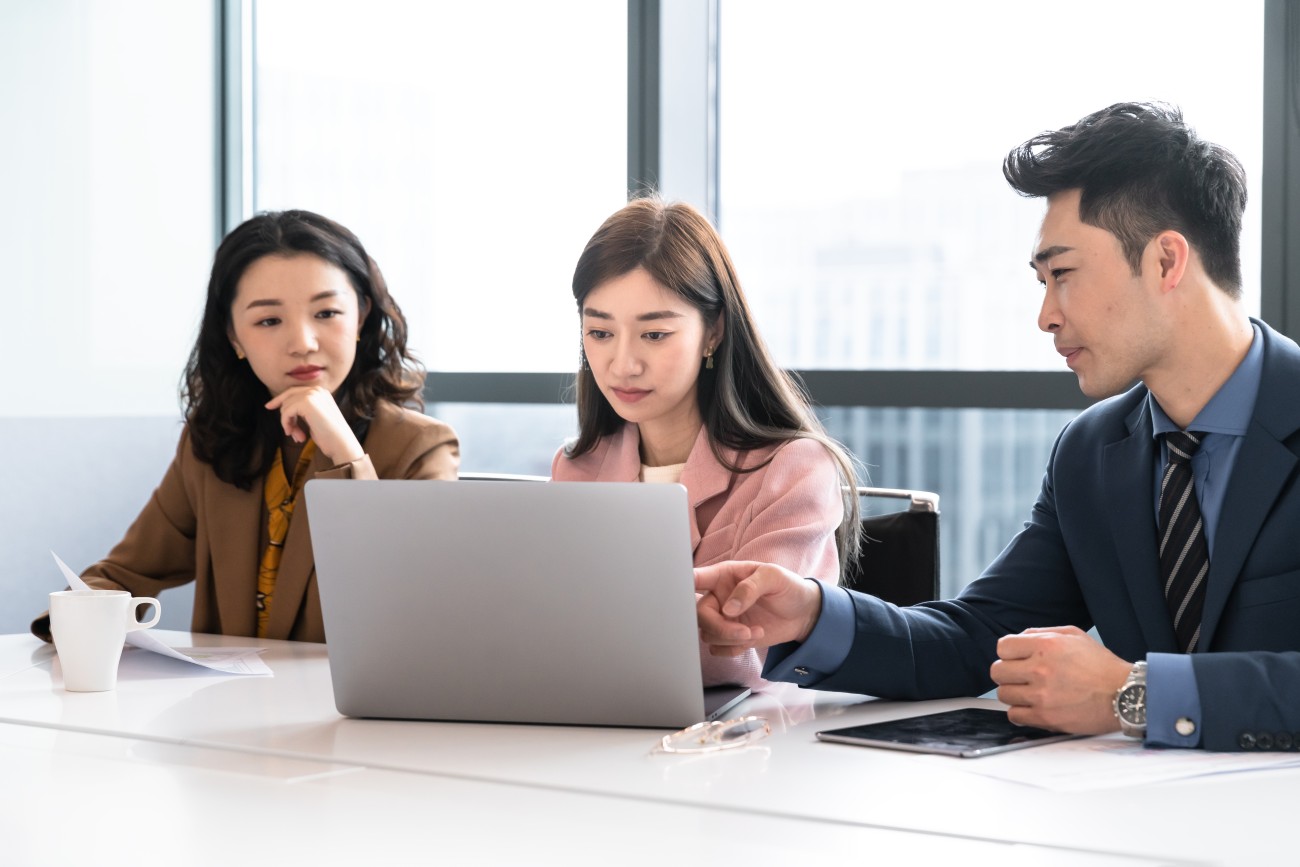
x: 791, y: 521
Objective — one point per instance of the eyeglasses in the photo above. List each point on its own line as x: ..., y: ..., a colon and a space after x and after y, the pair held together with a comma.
x: 707, y: 737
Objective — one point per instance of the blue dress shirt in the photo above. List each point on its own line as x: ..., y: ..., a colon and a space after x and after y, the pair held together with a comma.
x: 1171, y: 684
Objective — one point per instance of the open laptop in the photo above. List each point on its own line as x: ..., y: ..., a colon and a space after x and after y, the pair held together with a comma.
x: 511, y: 602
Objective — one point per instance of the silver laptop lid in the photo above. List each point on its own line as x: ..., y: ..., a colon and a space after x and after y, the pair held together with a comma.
x: 508, y: 601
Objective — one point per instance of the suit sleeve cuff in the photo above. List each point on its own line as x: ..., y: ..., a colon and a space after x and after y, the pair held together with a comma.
x: 1173, y: 701
x: 826, y: 647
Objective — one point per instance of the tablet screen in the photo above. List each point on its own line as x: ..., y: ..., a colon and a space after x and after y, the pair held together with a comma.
x: 969, y: 732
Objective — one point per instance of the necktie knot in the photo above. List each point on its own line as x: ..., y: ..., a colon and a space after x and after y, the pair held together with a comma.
x: 1182, y: 445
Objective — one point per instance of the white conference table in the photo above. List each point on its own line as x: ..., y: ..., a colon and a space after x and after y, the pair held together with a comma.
x: 144, y: 802
x: 215, y: 754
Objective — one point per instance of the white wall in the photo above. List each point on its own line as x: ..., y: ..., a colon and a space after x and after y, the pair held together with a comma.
x: 107, y: 226
x: 85, y: 483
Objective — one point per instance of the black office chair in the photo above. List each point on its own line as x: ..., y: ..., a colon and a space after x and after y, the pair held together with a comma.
x: 899, y: 557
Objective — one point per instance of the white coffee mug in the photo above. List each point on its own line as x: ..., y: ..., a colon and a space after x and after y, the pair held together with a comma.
x: 89, y: 629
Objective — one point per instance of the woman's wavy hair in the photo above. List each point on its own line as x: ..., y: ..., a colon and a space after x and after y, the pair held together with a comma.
x: 223, y: 399
x: 745, y: 399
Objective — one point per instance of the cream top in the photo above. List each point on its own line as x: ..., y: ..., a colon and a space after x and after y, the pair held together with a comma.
x: 669, y: 475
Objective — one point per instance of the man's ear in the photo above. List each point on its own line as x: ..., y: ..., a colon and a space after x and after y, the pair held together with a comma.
x: 1173, y: 255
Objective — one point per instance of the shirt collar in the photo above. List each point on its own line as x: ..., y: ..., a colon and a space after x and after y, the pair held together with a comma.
x: 1229, y: 411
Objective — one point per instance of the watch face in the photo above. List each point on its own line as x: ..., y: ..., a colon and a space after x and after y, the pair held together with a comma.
x: 1132, y: 705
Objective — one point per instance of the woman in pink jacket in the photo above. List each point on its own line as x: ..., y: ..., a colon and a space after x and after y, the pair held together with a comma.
x: 675, y: 385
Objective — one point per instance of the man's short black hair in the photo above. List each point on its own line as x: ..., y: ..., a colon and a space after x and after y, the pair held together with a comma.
x: 1141, y: 171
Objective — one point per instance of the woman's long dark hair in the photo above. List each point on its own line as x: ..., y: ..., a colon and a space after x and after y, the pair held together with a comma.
x: 745, y: 400
x: 223, y: 399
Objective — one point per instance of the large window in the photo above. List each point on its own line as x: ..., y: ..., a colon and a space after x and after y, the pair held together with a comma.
x: 852, y: 150
x: 860, y: 159
x: 473, y: 148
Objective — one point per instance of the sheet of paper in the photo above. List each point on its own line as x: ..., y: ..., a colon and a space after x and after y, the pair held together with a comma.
x: 227, y: 660
x: 1114, y: 761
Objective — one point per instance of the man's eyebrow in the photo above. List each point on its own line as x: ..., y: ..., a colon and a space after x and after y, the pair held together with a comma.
x: 1048, y: 252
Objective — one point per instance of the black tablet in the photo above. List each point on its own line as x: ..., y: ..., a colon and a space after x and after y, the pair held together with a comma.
x: 969, y: 733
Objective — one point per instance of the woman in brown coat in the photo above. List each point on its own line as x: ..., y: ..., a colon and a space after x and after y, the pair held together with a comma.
x: 300, y: 371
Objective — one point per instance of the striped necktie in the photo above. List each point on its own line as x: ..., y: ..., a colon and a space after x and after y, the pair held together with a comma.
x: 1184, y: 554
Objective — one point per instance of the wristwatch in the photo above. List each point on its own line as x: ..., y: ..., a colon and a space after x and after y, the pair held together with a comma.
x: 1131, y: 702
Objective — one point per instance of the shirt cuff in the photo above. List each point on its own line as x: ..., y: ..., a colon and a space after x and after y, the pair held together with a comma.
x: 1173, y: 701
x: 826, y: 647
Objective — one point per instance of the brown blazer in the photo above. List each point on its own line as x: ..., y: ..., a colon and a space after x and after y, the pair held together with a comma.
x: 198, y: 528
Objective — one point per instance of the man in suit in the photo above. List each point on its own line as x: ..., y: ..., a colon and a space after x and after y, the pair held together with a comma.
x: 1169, y: 515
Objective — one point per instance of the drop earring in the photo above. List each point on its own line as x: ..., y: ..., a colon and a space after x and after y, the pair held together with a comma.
x: 708, y: 358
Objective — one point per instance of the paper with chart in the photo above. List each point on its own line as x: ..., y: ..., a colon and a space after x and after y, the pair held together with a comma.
x: 227, y: 660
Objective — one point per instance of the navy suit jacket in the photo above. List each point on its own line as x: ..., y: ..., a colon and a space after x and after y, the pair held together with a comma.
x: 1087, y: 557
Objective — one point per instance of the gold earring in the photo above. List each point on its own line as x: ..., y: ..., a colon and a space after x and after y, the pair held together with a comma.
x: 239, y: 353
x: 708, y: 358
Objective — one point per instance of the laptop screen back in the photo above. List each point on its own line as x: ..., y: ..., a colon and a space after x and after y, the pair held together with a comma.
x: 508, y: 601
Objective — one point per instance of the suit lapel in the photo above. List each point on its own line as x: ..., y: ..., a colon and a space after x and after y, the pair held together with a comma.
x: 1262, y: 469
x: 1127, y: 469
x: 235, y: 526
x: 704, y: 478
x: 622, y: 459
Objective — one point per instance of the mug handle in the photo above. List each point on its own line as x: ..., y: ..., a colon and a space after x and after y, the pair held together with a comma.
x: 132, y: 624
